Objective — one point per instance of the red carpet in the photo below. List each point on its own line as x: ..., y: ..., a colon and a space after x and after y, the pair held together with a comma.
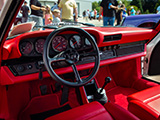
x: 119, y: 95
x: 126, y: 80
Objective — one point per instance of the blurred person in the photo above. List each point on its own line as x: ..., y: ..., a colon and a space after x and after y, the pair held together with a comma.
x: 91, y: 15
x: 48, y: 15
x: 120, y: 13
x: 117, y: 10
x: 119, y: 4
x: 87, y: 15
x: 124, y: 11
x: 158, y: 9
x: 36, y: 13
x: 68, y: 7
x: 55, y: 7
x: 24, y: 11
x: 95, y: 13
x: 108, y: 7
x: 74, y: 17
x: 129, y: 12
x: 138, y: 12
x: 84, y: 14
x: 56, y: 13
x: 133, y: 12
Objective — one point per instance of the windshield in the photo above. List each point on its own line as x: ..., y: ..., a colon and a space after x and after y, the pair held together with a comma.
x: 37, y: 15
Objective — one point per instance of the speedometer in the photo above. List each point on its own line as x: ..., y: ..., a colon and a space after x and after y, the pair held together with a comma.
x: 59, y: 43
x: 39, y: 45
x: 26, y: 47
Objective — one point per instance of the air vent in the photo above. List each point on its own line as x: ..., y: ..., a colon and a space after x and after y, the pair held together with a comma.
x: 112, y: 38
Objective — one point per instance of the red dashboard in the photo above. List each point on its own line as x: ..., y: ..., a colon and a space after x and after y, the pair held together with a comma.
x: 22, y: 53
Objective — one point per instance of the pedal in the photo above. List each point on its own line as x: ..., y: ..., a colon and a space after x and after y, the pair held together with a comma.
x: 43, y: 89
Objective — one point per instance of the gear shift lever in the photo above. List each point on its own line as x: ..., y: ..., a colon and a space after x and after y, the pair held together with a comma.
x: 100, y: 94
x: 107, y: 80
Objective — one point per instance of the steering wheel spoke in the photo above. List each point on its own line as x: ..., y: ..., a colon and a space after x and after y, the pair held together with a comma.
x: 76, y: 73
x: 86, y: 54
x: 56, y: 59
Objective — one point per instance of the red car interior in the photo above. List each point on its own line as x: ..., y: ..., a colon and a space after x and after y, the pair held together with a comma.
x: 94, y: 111
x: 145, y: 104
x: 24, y: 96
x: 125, y: 81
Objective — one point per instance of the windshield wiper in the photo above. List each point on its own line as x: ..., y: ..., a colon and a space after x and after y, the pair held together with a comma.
x: 57, y: 25
x: 73, y: 23
x: 87, y: 24
x: 47, y: 27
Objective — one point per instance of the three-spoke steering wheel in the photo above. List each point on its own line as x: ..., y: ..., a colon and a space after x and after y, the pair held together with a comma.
x: 72, y: 57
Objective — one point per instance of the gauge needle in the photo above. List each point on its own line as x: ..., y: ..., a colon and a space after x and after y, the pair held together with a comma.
x: 74, y: 43
x: 58, y: 45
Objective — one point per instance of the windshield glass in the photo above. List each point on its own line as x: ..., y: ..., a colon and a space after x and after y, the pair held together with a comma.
x: 37, y: 15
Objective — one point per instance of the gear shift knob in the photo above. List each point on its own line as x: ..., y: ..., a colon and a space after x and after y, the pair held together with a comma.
x: 107, y: 80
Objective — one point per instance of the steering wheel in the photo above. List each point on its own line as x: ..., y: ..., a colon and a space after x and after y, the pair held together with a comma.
x: 70, y: 56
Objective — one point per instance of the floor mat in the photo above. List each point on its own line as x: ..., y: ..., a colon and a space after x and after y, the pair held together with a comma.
x: 44, y: 115
x: 119, y: 95
x: 47, y: 104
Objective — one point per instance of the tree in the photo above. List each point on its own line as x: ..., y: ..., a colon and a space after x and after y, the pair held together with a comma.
x: 126, y: 3
x: 146, y: 12
x: 157, y: 4
x: 96, y: 5
x: 140, y: 5
x: 150, y: 5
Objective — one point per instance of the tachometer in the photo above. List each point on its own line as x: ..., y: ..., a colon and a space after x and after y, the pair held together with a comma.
x: 76, y: 42
x: 59, y: 43
x: 26, y: 47
x: 39, y: 45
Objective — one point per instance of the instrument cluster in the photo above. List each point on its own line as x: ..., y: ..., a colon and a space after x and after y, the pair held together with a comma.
x: 34, y: 46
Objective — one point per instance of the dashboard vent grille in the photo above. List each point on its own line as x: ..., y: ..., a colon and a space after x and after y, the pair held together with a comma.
x: 112, y: 37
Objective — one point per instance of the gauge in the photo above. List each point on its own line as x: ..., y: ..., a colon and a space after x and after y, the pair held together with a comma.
x: 26, y: 47
x: 76, y: 42
x: 87, y: 42
x: 39, y: 45
x: 59, y: 43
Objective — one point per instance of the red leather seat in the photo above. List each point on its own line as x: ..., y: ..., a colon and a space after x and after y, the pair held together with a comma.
x: 95, y: 111
x: 146, y: 104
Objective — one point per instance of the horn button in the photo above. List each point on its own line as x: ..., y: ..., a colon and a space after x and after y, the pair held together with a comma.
x: 72, y: 55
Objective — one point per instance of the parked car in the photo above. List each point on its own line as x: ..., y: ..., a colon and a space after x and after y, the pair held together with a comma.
x: 75, y: 72
x: 143, y: 20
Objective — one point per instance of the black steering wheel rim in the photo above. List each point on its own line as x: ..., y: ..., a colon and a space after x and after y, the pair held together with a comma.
x: 49, y: 67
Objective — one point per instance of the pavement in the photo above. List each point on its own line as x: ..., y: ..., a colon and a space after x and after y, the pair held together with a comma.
x: 155, y: 78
